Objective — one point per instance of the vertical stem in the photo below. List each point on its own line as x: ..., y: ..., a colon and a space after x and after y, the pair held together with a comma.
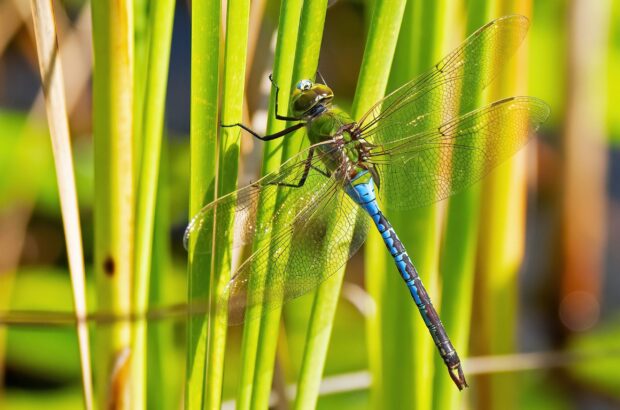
x: 458, y: 252
x: 254, y: 336
x: 114, y: 192
x: 407, y: 370
x: 163, y: 391
x: 237, y: 22
x: 53, y: 87
x: 310, y: 35
x: 376, y: 63
x: 502, y: 238
x: 154, y: 105
x: 142, y: 36
x: 203, y: 140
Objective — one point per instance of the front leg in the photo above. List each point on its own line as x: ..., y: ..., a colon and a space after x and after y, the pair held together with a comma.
x: 278, y: 116
x: 266, y: 137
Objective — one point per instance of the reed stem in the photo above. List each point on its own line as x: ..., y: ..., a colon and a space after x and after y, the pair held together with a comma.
x: 203, y: 163
x: 376, y: 63
x: 160, y: 23
x: 53, y: 86
x: 114, y: 194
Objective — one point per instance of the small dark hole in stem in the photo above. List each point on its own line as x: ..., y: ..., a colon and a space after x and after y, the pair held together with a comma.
x: 108, y: 266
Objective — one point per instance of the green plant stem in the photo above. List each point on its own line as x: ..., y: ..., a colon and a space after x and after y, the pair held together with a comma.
x: 203, y: 140
x: 502, y: 239
x: 155, y: 99
x: 290, y: 12
x: 403, y: 376
x: 237, y: 21
x: 310, y: 35
x: 163, y: 386
x: 114, y: 194
x: 374, y: 74
x: 458, y: 255
x: 142, y: 37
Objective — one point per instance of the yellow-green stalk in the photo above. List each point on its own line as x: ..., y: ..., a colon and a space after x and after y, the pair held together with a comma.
x: 458, y: 250
x: 502, y: 235
x: 237, y: 21
x: 114, y: 194
x: 374, y: 73
x: 290, y: 12
x: 160, y: 23
x: 310, y: 35
x: 406, y: 374
x: 203, y: 161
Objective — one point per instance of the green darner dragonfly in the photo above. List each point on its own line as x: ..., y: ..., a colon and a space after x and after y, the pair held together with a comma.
x: 412, y: 147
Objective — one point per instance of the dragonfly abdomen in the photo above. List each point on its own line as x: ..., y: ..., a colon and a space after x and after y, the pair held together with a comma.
x: 361, y: 189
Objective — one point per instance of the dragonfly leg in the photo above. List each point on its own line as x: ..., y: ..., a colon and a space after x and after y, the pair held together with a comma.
x: 304, y: 177
x: 266, y: 137
x: 278, y: 116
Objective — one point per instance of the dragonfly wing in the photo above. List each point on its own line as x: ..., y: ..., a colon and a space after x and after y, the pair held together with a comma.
x: 325, y: 231
x: 431, y: 166
x: 243, y: 204
x: 436, y: 96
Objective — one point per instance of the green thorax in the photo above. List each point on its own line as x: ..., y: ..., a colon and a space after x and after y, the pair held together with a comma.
x: 325, y: 127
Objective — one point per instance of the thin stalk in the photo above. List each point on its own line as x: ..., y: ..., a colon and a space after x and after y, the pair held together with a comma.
x: 237, y: 22
x: 458, y: 255
x: 114, y: 193
x: 53, y: 86
x: 404, y: 375
x: 308, y: 48
x: 163, y: 391
x: 203, y: 140
x: 290, y: 12
x: 142, y: 37
x: 154, y: 105
x: 502, y: 239
x: 374, y: 74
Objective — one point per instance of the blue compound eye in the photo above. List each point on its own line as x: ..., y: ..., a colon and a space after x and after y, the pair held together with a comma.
x: 304, y: 85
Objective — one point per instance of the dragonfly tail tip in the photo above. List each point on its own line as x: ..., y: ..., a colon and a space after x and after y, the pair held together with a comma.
x: 458, y: 377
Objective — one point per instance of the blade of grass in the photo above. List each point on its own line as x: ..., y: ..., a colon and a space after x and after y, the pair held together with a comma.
x: 164, y: 387
x: 142, y: 38
x: 114, y: 193
x: 458, y: 253
x: 237, y: 25
x: 307, y: 50
x: 377, y: 61
x: 401, y: 377
x: 502, y: 239
x: 53, y: 86
x: 160, y: 23
x: 290, y: 12
x: 203, y: 140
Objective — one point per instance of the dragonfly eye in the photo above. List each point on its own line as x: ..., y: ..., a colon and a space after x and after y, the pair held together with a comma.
x: 304, y: 85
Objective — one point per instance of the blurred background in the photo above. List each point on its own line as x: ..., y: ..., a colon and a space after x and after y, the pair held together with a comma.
x: 564, y: 324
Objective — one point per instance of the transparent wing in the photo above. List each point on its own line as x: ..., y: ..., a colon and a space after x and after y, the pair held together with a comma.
x: 431, y: 166
x: 243, y: 204
x: 457, y: 80
x: 312, y: 231
x: 299, y: 255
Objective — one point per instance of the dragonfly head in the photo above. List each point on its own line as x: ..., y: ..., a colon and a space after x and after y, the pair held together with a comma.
x: 308, y: 96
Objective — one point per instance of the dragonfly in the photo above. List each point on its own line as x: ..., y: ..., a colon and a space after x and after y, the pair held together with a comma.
x: 412, y: 148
